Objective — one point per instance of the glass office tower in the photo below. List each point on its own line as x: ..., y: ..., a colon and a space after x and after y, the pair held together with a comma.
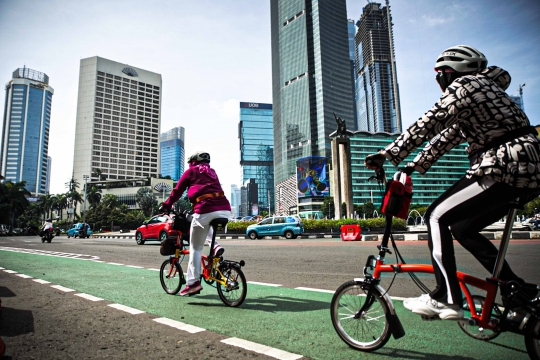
x: 25, y: 135
x: 311, y: 79
x: 257, y: 151
x: 426, y: 188
x: 173, y: 153
x: 377, y: 93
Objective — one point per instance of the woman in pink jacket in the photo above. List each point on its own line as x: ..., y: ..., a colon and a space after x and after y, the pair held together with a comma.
x: 209, y: 203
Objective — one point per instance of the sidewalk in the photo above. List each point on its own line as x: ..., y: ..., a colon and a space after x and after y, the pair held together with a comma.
x: 521, y: 235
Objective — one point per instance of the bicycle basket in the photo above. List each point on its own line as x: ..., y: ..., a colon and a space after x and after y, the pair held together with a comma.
x: 181, y: 223
x: 168, y: 247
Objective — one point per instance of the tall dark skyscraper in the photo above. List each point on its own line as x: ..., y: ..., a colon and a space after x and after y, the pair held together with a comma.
x: 377, y: 91
x: 311, y: 79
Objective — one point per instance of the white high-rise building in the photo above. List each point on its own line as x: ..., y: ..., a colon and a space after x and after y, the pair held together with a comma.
x: 118, y: 121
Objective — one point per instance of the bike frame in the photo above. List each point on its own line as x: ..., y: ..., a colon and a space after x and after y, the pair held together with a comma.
x: 490, y: 285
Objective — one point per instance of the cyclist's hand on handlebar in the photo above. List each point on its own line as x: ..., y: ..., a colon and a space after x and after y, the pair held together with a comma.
x: 375, y: 161
x: 164, y: 209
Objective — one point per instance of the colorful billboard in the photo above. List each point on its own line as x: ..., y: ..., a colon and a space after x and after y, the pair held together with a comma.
x: 312, y: 177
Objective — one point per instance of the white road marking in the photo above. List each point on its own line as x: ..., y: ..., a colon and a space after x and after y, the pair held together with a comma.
x: 127, y: 309
x: 61, y: 288
x: 10, y: 271
x: 261, y: 349
x: 179, y: 325
x: 42, y: 281
x: 135, y: 267
x: 24, y: 276
x: 50, y: 253
x: 261, y: 283
x: 89, y: 297
x: 153, y: 269
x: 112, y: 263
x: 317, y: 290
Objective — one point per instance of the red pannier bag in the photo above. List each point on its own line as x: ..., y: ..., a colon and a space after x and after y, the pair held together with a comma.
x: 398, y: 196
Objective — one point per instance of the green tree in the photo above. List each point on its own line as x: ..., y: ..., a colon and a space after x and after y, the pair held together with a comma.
x: 110, y: 201
x: 327, y: 207
x: 368, y: 209
x: 146, y: 200
x: 13, y: 199
x: 182, y: 205
x: 93, y: 195
x: 97, y: 173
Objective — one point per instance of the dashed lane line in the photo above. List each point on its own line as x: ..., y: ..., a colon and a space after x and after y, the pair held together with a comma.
x: 261, y: 349
x: 62, y: 288
x: 10, y: 271
x: 317, y: 290
x: 40, y: 281
x: 89, y: 297
x: 113, y: 263
x: 24, y: 276
x: 127, y: 309
x: 179, y: 325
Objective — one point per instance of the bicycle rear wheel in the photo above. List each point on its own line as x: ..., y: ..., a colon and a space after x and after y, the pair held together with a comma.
x: 234, y: 293
x: 367, y: 331
x: 532, y: 338
x: 171, y: 277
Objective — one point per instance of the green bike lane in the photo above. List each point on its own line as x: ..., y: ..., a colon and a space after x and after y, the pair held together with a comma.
x: 293, y: 320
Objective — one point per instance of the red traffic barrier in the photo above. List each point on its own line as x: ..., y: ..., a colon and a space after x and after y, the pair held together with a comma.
x: 351, y: 232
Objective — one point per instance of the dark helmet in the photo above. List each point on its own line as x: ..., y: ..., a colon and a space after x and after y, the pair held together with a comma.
x: 199, y: 156
x: 456, y: 62
x: 49, y: 220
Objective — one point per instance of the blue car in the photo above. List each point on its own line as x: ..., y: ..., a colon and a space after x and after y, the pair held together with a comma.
x: 288, y: 226
x: 75, y: 229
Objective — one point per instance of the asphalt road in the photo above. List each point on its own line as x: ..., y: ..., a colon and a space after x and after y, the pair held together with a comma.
x: 35, y: 326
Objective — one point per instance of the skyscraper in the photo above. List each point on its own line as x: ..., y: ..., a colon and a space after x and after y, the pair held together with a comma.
x: 25, y: 135
x: 377, y: 92
x: 257, y: 150
x: 118, y: 121
x: 173, y: 153
x: 311, y: 79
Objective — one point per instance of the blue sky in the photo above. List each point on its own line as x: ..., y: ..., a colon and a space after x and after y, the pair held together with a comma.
x: 213, y: 54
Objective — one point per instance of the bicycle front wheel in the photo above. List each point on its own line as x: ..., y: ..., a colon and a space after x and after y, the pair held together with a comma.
x: 532, y: 338
x: 234, y: 293
x: 367, y: 331
x: 171, y: 277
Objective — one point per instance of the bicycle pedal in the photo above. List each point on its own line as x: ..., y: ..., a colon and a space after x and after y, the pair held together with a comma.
x: 430, y: 318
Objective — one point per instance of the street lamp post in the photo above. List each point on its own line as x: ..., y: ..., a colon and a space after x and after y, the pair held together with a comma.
x: 85, y: 177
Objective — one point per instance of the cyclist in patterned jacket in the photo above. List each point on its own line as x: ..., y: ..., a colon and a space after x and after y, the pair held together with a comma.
x: 504, y: 156
x: 209, y: 203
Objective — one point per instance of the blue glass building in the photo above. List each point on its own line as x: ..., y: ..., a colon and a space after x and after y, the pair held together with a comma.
x: 173, y: 153
x: 25, y: 134
x: 255, y: 132
x: 376, y: 88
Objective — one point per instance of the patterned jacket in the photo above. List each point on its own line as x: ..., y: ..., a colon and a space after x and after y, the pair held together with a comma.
x: 474, y: 109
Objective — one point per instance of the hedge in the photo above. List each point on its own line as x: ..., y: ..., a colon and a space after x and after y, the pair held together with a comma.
x: 327, y: 225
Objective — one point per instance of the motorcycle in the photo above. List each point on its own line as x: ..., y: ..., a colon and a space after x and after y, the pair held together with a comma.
x: 83, y: 232
x: 47, y: 235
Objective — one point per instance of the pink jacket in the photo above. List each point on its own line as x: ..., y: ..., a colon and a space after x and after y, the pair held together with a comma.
x: 201, y: 179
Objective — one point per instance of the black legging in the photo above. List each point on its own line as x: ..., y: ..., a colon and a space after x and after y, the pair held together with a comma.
x: 467, y: 207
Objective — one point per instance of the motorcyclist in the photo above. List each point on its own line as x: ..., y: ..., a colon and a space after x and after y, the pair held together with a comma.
x: 209, y: 203
x: 504, y: 156
x: 47, y: 227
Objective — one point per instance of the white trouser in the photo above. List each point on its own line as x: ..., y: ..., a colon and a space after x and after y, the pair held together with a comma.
x: 200, y: 229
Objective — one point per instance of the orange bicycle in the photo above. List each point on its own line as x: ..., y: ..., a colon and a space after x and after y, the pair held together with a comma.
x: 364, y: 315
x: 225, y: 275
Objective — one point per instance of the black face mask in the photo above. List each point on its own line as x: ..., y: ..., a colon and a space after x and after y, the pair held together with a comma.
x: 446, y: 78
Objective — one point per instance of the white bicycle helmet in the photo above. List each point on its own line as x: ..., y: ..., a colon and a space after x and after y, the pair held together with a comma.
x: 200, y: 156
x: 457, y: 61
x: 462, y: 59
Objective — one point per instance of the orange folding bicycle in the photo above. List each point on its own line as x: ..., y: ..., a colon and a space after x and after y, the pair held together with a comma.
x: 225, y: 275
x: 364, y: 315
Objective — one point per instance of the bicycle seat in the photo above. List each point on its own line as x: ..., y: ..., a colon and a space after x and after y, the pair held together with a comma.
x: 219, y: 222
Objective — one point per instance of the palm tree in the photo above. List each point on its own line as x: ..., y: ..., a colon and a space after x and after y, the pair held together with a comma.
x: 146, y: 199
x: 111, y: 201
x: 61, y: 203
x: 14, y: 197
x: 94, y: 196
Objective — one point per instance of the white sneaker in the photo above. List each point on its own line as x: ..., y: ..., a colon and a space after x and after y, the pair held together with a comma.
x: 407, y: 303
x: 432, y: 307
